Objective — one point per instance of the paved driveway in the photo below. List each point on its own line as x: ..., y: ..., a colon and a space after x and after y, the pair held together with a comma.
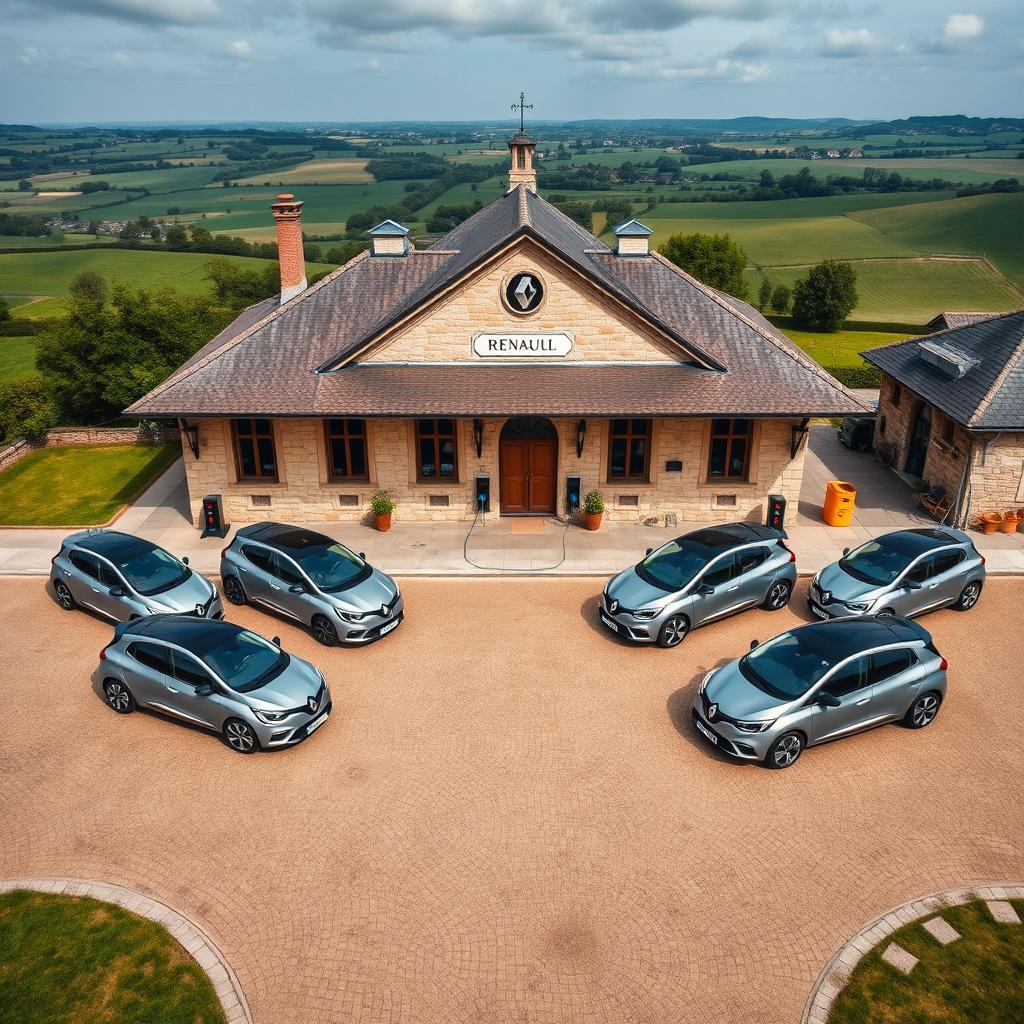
x: 508, y: 817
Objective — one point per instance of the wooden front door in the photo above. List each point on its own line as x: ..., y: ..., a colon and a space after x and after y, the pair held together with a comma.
x: 528, y: 477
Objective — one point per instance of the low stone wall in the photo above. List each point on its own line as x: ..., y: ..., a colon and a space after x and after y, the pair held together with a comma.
x: 141, y: 434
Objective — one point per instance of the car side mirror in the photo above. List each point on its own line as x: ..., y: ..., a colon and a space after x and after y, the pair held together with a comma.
x: 298, y: 588
x: 184, y: 559
x: 828, y: 700
x: 754, y: 643
x: 362, y: 555
x: 846, y: 551
x: 648, y: 552
x: 705, y: 589
x: 116, y: 592
x: 276, y: 641
x: 205, y: 690
x: 912, y: 584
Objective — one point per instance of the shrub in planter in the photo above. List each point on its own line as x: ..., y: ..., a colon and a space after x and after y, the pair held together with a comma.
x: 1009, y: 523
x: 383, y: 505
x: 593, y: 510
x: 988, y: 521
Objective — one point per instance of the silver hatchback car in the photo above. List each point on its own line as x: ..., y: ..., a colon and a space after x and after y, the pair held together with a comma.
x: 697, y: 578
x: 125, y: 577
x: 907, y: 572
x: 311, y: 578
x: 216, y: 675
x: 818, y: 683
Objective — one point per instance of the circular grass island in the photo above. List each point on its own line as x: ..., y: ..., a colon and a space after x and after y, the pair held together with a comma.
x: 975, y: 976
x: 77, y: 959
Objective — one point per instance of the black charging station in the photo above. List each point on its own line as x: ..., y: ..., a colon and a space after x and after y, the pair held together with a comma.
x: 776, y: 513
x: 213, y: 517
x: 483, y: 494
x: 573, y: 495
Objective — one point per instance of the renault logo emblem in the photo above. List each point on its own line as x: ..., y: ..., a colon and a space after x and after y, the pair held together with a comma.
x: 712, y: 712
x: 312, y: 705
x: 385, y: 609
x: 613, y: 606
x: 200, y: 610
x: 524, y: 292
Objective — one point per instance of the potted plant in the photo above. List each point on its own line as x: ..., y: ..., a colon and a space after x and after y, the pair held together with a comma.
x: 1009, y: 523
x: 383, y: 505
x: 593, y: 510
x: 988, y: 521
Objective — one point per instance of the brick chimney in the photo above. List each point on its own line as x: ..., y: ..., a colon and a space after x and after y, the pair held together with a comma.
x: 288, y: 214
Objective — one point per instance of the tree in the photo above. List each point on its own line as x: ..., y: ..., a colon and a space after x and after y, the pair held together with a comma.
x: 780, y: 299
x: 238, y: 288
x: 716, y: 260
x: 24, y: 185
x: 826, y: 297
x: 764, y: 295
x: 88, y: 286
x: 27, y: 409
x: 767, y: 179
x: 345, y: 252
x: 5, y: 311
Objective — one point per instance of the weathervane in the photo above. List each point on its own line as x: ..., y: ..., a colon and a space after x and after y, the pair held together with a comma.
x: 522, y: 106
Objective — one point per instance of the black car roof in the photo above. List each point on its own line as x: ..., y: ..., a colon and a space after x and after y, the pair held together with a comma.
x: 187, y: 630
x: 291, y: 538
x: 114, y: 545
x: 728, y: 535
x: 913, y: 542
x: 843, y: 638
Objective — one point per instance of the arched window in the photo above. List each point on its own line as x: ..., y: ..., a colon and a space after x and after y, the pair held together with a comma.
x: 521, y: 158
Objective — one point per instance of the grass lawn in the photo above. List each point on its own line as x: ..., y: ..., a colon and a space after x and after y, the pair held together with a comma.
x: 842, y: 348
x: 75, y: 959
x: 78, y: 485
x: 17, y: 358
x: 978, y: 979
x: 316, y: 172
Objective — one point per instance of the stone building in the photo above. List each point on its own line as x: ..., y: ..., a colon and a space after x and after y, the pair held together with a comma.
x: 519, y: 348
x: 952, y: 408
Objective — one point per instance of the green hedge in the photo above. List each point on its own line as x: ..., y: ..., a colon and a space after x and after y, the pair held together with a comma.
x: 857, y: 376
x: 22, y: 328
x: 883, y: 326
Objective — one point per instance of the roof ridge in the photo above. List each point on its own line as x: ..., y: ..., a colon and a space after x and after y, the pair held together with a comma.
x: 1000, y: 379
x: 794, y: 353
x: 916, y: 338
x: 524, y: 207
x: 185, y: 372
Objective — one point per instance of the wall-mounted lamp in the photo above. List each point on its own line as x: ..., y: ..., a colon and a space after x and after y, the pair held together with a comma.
x: 799, y: 432
x: 581, y: 435
x: 192, y: 436
x: 478, y: 436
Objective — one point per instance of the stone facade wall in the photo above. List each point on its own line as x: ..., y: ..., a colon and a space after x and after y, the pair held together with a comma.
x: 140, y: 434
x: 998, y: 484
x: 601, y: 329
x: 303, y: 492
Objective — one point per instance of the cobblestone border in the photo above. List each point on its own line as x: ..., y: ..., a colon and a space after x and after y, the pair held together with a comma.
x: 834, y: 975
x: 195, y: 941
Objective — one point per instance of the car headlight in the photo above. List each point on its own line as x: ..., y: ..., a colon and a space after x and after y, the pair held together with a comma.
x: 753, y: 726
x: 646, y: 613
x: 350, y: 616
x: 859, y: 606
x: 271, y: 716
x: 707, y: 679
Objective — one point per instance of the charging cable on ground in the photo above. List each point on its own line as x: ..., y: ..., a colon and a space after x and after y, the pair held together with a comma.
x: 499, y: 568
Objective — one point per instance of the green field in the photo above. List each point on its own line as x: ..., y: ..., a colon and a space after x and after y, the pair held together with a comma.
x: 31, y: 242
x: 17, y: 358
x: 50, y: 273
x: 841, y: 348
x: 166, y: 179
x: 913, y: 290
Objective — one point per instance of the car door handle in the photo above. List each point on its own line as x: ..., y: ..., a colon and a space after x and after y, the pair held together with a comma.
x: 731, y: 589
x: 65, y: 571
x: 274, y: 586
x: 864, y: 700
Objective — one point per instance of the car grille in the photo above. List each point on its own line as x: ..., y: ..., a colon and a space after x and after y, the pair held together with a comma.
x: 206, y: 608
x: 720, y: 716
x: 819, y: 595
x: 304, y: 710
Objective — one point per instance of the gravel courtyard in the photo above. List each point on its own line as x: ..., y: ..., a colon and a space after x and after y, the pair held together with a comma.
x: 509, y: 817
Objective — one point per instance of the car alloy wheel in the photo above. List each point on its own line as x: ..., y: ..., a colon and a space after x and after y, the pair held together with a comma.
x: 64, y: 598
x: 118, y: 697
x: 925, y: 708
x: 240, y: 737
x: 673, y: 633
x: 969, y: 596
x: 886, y: 613
x: 234, y: 591
x: 778, y: 596
x: 785, y: 750
x: 324, y: 631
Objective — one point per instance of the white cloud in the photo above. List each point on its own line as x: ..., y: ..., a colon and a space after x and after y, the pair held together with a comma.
x: 962, y: 27
x: 241, y: 49
x: 850, y: 42
x: 29, y: 55
x: 369, y: 67
x: 695, y: 69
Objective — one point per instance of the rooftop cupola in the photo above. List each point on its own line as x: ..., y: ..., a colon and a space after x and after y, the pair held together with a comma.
x: 389, y: 238
x: 634, y: 238
x: 521, y: 146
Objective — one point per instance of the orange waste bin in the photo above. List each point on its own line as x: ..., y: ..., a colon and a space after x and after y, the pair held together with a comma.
x: 839, y: 499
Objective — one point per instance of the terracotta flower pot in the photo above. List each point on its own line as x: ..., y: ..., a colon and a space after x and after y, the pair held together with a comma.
x: 383, y: 522
x: 591, y: 520
x: 987, y: 526
x: 1009, y: 523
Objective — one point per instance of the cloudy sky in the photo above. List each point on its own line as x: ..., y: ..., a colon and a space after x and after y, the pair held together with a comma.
x: 350, y: 60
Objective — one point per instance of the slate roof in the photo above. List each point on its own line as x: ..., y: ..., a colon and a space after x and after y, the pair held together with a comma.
x: 990, y: 395
x: 949, y: 319
x: 301, y: 357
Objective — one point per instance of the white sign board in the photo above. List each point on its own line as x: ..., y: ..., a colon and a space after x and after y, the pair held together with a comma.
x: 522, y: 346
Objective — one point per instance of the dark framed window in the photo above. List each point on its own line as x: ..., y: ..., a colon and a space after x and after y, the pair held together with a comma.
x: 886, y: 664
x: 729, y: 455
x: 948, y: 430
x: 154, y: 656
x: 751, y: 558
x: 436, y: 450
x: 188, y: 670
x: 346, y: 449
x: 254, y: 449
x: 284, y: 569
x: 725, y: 569
x: 850, y: 678
x: 897, y: 393
x: 88, y: 564
x: 629, y: 449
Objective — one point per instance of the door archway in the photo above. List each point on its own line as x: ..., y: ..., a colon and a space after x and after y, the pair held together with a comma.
x: 528, y: 465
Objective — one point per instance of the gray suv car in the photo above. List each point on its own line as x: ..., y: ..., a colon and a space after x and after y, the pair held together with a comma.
x: 818, y: 683
x: 697, y: 578
x: 216, y: 675
x: 908, y: 572
x: 125, y: 577
x: 311, y: 578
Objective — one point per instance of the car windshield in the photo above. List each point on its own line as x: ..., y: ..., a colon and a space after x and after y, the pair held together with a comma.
x: 674, y: 564
x: 878, y: 562
x: 788, y: 665
x: 332, y: 567
x: 153, y: 571
x: 246, y: 661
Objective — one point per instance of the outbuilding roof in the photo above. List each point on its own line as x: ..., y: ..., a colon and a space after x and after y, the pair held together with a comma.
x: 973, y: 374
x: 303, y: 357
